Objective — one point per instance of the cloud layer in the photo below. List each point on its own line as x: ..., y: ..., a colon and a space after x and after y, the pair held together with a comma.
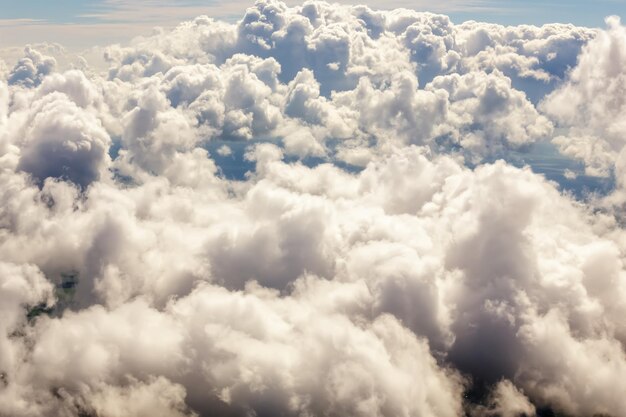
x: 379, y: 258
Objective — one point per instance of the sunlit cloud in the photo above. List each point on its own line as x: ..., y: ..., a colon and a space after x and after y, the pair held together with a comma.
x: 313, y: 210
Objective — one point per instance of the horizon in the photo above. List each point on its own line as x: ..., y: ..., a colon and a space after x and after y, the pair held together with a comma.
x: 78, y: 24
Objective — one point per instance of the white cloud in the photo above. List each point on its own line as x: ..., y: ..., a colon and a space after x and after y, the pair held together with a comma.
x: 488, y: 115
x: 137, y: 280
x: 590, y: 106
x: 62, y: 141
x: 30, y: 70
x: 506, y: 401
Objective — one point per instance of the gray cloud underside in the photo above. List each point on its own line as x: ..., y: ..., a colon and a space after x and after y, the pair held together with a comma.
x: 137, y: 280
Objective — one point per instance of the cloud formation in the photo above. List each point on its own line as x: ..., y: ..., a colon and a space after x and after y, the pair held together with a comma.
x: 380, y: 256
x: 30, y: 70
x: 591, y: 105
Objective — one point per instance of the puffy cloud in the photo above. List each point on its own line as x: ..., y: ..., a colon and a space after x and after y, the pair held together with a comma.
x: 506, y: 401
x: 31, y: 69
x: 488, y: 116
x: 62, y: 141
x: 22, y: 286
x: 590, y: 106
x: 154, y: 131
x: 230, y: 361
x: 158, y: 397
x: 279, y: 349
x: 4, y: 110
x: 400, y: 113
x: 380, y: 243
x: 73, y: 84
x: 596, y: 360
x: 378, y: 64
x: 136, y: 279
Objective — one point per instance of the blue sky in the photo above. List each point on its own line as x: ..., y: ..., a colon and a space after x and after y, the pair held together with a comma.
x: 579, y: 12
x: 82, y: 23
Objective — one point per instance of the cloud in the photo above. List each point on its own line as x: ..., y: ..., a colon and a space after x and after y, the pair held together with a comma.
x: 507, y: 401
x: 589, y: 106
x: 62, y: 141
x: 4, y: 110
x: 351, y: 56
x: 374, y: 257
x: 502, y: 117
x: 31, y: 69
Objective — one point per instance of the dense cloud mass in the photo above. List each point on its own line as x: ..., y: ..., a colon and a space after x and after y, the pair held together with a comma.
x: 315, y: 211
x: 591, y: 105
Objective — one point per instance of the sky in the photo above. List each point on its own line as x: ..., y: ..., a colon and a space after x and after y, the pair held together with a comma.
x: 313, y: 210
x: 80, y: 24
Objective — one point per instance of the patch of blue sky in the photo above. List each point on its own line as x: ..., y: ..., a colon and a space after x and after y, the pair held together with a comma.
x: 538, y: 12
x: 542, y: 157
x: 578, y: 12
x: 59, y: 11
x: 235, y: 165
x: 99, y: 11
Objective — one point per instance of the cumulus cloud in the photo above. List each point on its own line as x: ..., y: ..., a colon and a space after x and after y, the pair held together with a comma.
x: 4, y: 110
x: 590, y: 105
x: 62, y: 141
x: 32, y: 68
x: 372, y: 258
x: 501, y: 117
x: 345, y: 66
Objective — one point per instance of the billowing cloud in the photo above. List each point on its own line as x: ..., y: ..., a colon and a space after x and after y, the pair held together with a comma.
x: 4, y: 110
x: 30, y: 70
x: 62, y: 141
x: 590, y: 106
x: 304, y: 213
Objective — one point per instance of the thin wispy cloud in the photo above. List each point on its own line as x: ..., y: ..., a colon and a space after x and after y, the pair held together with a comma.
x: 21, y: 22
